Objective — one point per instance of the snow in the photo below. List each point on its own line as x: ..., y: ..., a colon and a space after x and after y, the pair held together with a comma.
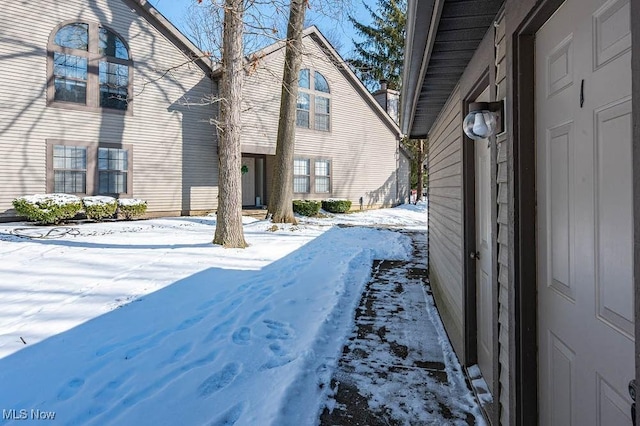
x: 59, y: 199
x: 98, y: 200
x: 130, y: 201
x: 149, y: 323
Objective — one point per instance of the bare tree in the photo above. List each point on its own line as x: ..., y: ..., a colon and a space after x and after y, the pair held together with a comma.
x: 418, y: 151
x: 229, y: 232
x: 281, y: 200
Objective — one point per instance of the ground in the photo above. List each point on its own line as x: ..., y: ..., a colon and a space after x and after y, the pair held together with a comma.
x: 147, y: 322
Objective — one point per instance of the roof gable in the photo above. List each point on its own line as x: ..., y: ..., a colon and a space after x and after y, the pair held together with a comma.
x: 172, y: 33
x: 314, y: 34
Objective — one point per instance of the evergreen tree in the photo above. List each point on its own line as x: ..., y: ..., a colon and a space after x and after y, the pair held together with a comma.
x: 380, y: 55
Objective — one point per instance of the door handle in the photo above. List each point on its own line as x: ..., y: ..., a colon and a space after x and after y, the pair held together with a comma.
x: 475, y: 255
x: 633, y: 388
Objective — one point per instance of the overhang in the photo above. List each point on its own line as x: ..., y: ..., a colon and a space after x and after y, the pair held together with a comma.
x: 442, y: 36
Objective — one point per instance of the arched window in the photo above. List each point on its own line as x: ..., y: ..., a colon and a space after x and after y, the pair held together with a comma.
x: 319, y: 97
x: 89, y: 65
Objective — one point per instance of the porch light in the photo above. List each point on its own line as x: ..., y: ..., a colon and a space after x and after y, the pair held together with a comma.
x: 484, y: 120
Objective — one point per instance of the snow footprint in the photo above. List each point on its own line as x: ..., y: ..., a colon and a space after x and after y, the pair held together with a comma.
x: 281, y: 357
x: 71, y: 389
x: 231, y: 416
x: 279, y: 330
x: 242, y: 336
x: 220, y: 379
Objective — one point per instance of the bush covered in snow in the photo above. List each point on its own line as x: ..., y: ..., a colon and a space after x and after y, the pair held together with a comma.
x: 132, y: 208
x: 336, y: 206
x: 48, y: 209
x: 99, y: 207
x: 306, y: 207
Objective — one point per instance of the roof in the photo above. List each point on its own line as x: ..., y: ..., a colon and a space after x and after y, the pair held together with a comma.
x: 314, y: 34
x: 162, y: 24
x: 442, y: 36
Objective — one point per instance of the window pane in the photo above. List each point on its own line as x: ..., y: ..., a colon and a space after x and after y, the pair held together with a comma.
x: 300, y: 167
x: 114, y: 85
x: 69, y: 66
x: 69, y: 182
x: 322, y: 122
x: 302, y: 119
x: 322, y: 184
x: 73, y: 36
x: 69, y: 157
x: 304, y: 101
x: 112, y: 182
x: 320, y: 83
x: 303, y: 79
x: 322, y: 167
x: 300, y: 184
x: 110, y: 44
x: 322, y: 105
x: 113, y: 159
x: 70, y: 75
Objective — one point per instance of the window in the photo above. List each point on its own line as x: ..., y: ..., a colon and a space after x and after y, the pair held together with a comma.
x: 322, y: 176
x: 112, y: 171
x: 303, y: 109
x: 301, y: 177
x: 304, y: 180
x: 89, y: 168
x: 69, y: 169
x: 318, y: 116
x: 90, y: 67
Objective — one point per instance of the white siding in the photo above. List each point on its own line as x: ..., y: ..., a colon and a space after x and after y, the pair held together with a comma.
x: 445, y: 217
x: 362, y: 147
x: 174, y: 147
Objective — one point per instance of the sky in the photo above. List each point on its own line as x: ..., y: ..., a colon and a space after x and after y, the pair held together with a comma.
x: 340, y: 32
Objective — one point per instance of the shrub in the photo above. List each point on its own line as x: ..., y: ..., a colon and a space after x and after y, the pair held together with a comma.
x: 132, y: 208
x: 336, y: 206
x: 99, y: 207
x: 306, y: 207
x: 48, y: 209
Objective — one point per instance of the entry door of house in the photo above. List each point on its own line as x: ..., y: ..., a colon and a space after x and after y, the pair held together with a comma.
x: 484, y: 287
x: 248, y: 181
x: 584, y: 214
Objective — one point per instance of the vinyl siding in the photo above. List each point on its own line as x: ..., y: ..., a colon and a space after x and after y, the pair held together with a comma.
x: 445, y: 217
x: 362, y: 147
x: 503, y: 247
x: 174, y: 146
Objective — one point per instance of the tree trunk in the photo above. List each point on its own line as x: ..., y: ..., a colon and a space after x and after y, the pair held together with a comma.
x: 420, y: 160
x: 229, y: 232
x: 281, y: 198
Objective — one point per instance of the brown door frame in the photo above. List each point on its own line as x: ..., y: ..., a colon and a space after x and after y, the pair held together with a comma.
x: 469, y: 232
x: 524, y: 218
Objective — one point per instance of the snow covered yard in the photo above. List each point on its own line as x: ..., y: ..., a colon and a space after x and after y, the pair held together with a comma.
x: 149, y: 323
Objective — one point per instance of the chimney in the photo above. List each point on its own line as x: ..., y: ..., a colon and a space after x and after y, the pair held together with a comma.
x: 388, y: 99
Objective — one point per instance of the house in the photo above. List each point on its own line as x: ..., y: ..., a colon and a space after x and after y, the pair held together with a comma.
x: 108, y: 97
x: 533, y: 232
x: 347, y: 145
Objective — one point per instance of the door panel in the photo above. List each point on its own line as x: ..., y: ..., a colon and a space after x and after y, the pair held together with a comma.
x: 584, y: 214
x: 484, y: 281
x: 249, y: 182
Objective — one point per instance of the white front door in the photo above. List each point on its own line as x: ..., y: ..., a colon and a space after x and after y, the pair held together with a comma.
x: 584, y: 214
x: 484, y: 287
x: 248, y: 181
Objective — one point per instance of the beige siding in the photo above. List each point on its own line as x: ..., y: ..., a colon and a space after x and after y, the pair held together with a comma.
x: 445, y: 217
x: 502, y: 199
x: 362, y: 147
x: 404, y: 179
x: 174, y: 148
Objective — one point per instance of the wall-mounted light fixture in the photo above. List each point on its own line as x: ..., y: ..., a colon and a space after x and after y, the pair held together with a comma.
x: 485, y: 119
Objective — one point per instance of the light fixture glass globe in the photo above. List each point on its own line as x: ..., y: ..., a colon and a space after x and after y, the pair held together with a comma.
x: 479, y: 124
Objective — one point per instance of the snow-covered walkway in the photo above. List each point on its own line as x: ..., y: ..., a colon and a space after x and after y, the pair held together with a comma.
x: 137, y: 323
